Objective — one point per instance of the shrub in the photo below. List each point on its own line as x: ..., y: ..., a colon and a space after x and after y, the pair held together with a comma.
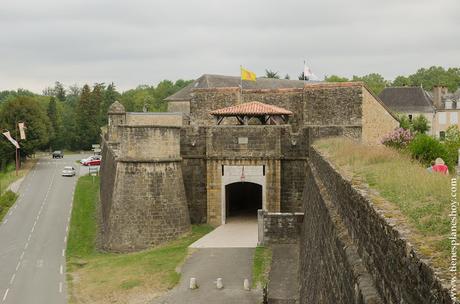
x: 452, y: 142
x: 398, y: 139
x: 425, y: 149
x: 420, y: 124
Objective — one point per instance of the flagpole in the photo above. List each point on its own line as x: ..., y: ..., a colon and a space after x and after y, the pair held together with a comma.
x: 241, y: 84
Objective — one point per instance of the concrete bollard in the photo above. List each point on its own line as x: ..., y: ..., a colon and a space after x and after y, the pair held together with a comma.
x: 246, y: 284
x: 219, y: 283
x: 193, y: 283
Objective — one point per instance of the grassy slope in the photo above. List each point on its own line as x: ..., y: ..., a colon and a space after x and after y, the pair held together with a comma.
x: 117, y: 278
x: 261, y: 266
x: 421, y: 197
x: 7, y: 200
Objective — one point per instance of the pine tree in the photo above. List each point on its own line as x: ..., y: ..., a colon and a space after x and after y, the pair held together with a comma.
x: 53, y: 117
x: 87, y: 116
x: 59, y: 91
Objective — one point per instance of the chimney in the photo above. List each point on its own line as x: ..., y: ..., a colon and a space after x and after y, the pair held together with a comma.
x: 438, y: 93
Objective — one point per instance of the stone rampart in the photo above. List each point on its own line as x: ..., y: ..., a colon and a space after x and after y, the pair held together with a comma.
x: 350, y: 253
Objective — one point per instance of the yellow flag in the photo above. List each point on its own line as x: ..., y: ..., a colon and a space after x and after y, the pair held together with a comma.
x: 247, y: 75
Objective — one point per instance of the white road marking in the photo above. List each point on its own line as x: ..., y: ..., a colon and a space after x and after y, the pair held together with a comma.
x: 63, y: 252
x: 22, y: 255
x: 12, y: 278
x: 60, y: 287
x: 17, y: 266
x: 61, y: 269
x: 30, y: 236
x: 65, y: 239
x: 27, y: 245
x: 67, y: 228
x: 6, y: 294
x: 5, y: 221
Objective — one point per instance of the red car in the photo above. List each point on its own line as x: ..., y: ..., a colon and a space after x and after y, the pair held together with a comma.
x: 92, y: 162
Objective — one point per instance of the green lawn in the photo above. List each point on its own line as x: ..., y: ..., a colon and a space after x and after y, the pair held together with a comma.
x: 261, y: 266
x: 7, y: 200
x: 96, y: 277
x: 421, y: 199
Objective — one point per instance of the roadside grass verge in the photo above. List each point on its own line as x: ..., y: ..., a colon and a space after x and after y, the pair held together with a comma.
x: 420, y: 198
x: 97, y: 277
x: 8, y: 176
x: 7, y: 200
x: 261, y: 266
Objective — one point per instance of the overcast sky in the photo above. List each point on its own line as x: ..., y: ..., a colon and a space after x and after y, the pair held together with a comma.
x: 144, y: 41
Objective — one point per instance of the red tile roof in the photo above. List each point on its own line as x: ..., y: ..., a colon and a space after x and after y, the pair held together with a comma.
x: 251, y: 108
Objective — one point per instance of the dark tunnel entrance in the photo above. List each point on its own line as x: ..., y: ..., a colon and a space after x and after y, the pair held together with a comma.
x: 243, y: 199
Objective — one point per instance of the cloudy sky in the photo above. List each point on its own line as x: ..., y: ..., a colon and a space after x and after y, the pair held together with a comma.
x: 144, y: 41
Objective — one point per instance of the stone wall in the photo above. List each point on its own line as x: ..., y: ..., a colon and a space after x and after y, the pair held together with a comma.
x: 154, y: 119
x: 377, y: 120
x: 143, y: 199
x: 333, y: 104
x: 145, y: 143
x: 182, y: 106
x: 351, y: 254
x: 279, y: 228
x: 193, y: 153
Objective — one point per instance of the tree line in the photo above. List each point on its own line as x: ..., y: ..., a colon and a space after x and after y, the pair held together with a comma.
x: 424, y: 77
x: 70, y: 118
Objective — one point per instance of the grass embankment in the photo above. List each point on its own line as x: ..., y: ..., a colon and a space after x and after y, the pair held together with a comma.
x: 261, y: 266
x: 417, y: 197
x: 96, y: 277
x: 7, y: 177
x: 7, y: 200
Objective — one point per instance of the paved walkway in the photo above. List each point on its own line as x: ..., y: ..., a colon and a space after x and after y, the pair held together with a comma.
x: 239, y: 232
x: 233, y: 265
x: 283, y: 286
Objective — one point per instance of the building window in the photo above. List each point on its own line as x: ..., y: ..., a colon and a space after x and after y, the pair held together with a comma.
x: 454, y: 118
x: 442, y: 135
x: 442, y: 118
x: 410, y: 117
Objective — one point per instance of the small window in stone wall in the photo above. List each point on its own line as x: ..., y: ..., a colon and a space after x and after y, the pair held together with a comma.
x: 442, y: 135
x: 410, y: 117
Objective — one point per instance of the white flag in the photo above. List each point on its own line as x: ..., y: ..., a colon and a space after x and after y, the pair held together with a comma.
x: 308, y: 73
x: 11, y: 139
x: 22, y: 128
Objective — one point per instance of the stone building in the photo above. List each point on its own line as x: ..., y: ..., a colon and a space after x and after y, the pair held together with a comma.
x: 410, y: 101
x: 440, y: 107
x: 162, y: 172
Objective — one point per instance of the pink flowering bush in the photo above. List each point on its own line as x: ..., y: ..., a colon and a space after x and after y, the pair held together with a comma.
x: 399, y: 138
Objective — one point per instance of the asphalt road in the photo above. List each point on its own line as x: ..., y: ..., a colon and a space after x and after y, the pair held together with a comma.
x: 33, y: 236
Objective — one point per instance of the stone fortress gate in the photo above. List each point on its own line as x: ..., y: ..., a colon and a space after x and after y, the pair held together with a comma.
x: 219, y: 154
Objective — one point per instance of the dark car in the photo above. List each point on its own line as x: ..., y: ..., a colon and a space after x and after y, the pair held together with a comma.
x: 58, y: 154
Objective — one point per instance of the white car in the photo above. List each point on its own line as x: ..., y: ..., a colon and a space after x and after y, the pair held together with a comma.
x: 68, y: 171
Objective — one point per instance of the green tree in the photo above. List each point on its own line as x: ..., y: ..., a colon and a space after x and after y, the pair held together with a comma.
x: 430, y: 77
x: 59, y: 91
x: 401, y: 81
x: 335, y: 78
x: 420, y: 124
x: 87, y: 119
x: 404, y: 122
x: 271, y: 74
x: 287, y: 77
x: 374, y: 81
x: 53, y: 118
x: 452, y: 142
x: 110, y: 95
x: 28, y: 110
